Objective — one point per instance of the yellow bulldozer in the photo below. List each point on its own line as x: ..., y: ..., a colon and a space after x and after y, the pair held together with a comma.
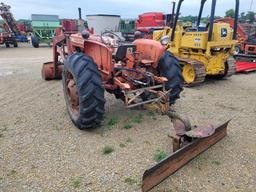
x: 202, y: 51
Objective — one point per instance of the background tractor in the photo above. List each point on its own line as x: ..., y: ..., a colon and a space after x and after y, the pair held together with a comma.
x: 202, y: 50
x: 139, y: 73
x: 44, y: 27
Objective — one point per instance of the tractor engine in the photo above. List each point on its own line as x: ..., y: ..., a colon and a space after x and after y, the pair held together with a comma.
x: 129, y: 65
x: 132, y: 68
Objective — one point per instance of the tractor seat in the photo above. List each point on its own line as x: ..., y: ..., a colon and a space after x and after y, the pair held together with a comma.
x: 123, y: 50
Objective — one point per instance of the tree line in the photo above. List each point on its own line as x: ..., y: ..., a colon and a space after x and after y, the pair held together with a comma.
x: 248, y: 17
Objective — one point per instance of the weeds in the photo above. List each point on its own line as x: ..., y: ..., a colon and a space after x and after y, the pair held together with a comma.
x: 122, y: 145
x: 130, y: 180
x: 76, y: 183
x: 56, y: 128
x: 138, y: 119
x: 4, y: 128
x: 147, y: 142
x: 127, y: 126
x: 107, y: 150
x: 159, y: 155
x: 216, y: 162
x: 151, y: 113
x: 128, y: 140
x: 113, y: 121
x: 12, y: 173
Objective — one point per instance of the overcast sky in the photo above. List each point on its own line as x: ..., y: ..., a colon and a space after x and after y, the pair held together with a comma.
x: 126, y: 8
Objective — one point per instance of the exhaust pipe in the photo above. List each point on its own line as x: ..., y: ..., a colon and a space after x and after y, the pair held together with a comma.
x: 176, y: 20
x: 173, y: 12
x: 212, y: 20
x: 236, y: 20
x: 200, y: 13
x: 80, y: 13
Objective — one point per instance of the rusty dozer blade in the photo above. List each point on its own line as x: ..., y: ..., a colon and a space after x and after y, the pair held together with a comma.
x: 186, y: 147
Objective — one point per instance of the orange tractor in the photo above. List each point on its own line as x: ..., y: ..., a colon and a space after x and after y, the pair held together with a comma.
x: 139, y: 73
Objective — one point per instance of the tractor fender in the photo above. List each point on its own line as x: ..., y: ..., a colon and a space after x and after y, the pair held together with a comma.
x: 150, y: 50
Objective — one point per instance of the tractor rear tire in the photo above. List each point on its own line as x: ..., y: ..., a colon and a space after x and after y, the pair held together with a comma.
x: 170, y: 68
x: 35, y: 41
x: 89, y: 107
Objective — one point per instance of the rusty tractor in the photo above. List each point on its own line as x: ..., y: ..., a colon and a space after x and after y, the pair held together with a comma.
x: 141, y: 73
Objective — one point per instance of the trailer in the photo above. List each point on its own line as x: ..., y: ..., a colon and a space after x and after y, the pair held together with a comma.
x: 9, y: 28
x: 43, y: 27
x: 245, y: 54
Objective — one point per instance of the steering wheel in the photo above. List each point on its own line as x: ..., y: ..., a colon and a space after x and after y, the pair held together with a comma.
x: 112, y: 35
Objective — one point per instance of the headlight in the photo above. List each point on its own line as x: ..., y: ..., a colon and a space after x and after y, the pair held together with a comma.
x: 164, y: 40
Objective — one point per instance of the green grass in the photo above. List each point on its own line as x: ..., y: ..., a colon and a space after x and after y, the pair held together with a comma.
x: 56, y: 128
x: 159, y: 155
x: 107, y: 149
x: 76, y: 183
x: 128, y: 126
x: 216, y: 162
x: 151, y: 114
x: 113, y: 121
x: 122, y: 145
x: 33, y: 167
x: 138, y: 119
x: 128, y: 140
x: 18, y: 121
x: 147, y: 142
x: 130, y: 180
x: 12, y: 173
x: 4, y: 128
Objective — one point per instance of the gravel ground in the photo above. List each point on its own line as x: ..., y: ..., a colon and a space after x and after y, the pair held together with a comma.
x: 41, y: 150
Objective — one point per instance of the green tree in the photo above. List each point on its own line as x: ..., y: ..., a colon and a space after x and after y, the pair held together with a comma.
x: 242, y: 17
x: 250, y: 16
x: 230, y: 13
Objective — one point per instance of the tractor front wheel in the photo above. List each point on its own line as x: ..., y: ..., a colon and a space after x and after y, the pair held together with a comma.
x: 83, y: 91
x: 238, y: 49
x: 34, y: 41
x: 170, y: 68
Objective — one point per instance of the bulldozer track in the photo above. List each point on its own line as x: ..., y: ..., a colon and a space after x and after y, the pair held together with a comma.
x: 231, y: 62
x: 199, y: 68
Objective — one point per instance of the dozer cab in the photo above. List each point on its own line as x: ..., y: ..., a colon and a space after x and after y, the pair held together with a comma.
x: 202, y: 51
x: 141, y: 73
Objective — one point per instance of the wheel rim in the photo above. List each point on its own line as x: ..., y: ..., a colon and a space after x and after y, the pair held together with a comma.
x: 237, y: 50
x: 72, y: 94
x: 188, y: 73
